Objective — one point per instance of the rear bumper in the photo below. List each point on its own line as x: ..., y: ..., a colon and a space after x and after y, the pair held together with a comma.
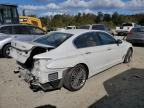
x: 53, y: 85
x: 35, y: 83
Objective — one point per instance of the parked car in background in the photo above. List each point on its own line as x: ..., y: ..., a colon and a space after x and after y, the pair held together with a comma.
x: 125, y: 28
x: 136, y: 35
x: 60, y: 29
x: 71, y: 27
x: 68, y: 58
x: 96, y: 27
x: 9, y: 32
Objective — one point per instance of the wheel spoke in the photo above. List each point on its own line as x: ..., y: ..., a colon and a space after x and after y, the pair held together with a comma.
x: 8, y: 51
x: 78, y: 78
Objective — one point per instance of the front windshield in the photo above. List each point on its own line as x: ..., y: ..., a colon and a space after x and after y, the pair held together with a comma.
x: 98, y: 27
x: 84, y: 27
x: 127, y: 24
x: 53, y: 39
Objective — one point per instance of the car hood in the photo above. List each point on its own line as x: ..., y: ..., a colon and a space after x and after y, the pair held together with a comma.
x: 26, y: 46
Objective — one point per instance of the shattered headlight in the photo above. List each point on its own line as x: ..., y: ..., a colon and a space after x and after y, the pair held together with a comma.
x: 40, y: 64
x: 36, y: 68
x: 36, y: 63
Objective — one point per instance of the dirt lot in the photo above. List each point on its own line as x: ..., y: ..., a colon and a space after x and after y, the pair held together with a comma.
x: 121, y: 86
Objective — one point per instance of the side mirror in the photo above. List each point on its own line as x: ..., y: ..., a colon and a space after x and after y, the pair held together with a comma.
x: 119, y: 41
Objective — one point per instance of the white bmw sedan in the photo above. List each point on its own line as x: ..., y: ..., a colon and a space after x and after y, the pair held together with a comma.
x: 68, y: 58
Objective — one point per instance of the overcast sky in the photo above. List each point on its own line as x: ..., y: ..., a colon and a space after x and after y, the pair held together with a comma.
x: 52, y: 7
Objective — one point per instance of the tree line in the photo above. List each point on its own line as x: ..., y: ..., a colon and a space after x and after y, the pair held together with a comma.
x: 111, y: 20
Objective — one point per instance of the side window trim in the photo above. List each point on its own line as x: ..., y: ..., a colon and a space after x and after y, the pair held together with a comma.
x: 102, y: 41
x: 87, y: 46
x: 34, y: 33
x: 20, y: 26
x: 10, y: 28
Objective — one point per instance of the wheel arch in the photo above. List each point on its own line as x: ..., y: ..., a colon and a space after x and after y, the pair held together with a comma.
x: 86, y: 67
x: 5, y: 45
x: 131, y: 49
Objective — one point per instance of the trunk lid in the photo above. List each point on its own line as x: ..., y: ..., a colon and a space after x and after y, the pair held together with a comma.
x: 26, y: 46
x: 21, y: 51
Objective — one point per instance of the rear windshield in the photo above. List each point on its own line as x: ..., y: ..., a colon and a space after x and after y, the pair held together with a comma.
x: 98, y: 27
x: 53, y: 39
x: 84, y: 27
x: 69, y: 28
x: 127, y: 24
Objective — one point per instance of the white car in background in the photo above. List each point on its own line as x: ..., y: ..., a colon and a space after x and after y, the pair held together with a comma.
x: 68, y: 58
x: 125, y: 28
x: 71, y: 27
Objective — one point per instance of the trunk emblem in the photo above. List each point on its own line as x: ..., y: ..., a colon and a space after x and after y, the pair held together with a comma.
x: 23, y: 47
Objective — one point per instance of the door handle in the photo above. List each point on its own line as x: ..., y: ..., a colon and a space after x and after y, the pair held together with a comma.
x: 88, y: 52
x: 109, y: 49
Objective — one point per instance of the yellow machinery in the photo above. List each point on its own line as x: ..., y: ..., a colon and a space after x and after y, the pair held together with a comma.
x: 31, y: 20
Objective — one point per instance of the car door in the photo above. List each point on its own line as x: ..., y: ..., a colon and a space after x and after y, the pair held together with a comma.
x: 114, y: 50
x: 22, y: 32
x: 6, y: 30
x: 94, y: 53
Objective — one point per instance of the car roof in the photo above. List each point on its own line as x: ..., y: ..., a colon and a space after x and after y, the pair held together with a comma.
x: 78, y: 31
x: 17, y: 25
x: 97, y: 24
x: 138, y: 27
x: 91, y: 24
x: 71, y: 26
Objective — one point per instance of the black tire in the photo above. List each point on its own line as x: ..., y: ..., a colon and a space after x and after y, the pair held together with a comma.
x: 128, y: 56
x: 75, y: 78
x: 6, y: 50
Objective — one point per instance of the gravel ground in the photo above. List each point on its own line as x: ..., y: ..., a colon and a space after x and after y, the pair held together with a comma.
x: 121, y: 86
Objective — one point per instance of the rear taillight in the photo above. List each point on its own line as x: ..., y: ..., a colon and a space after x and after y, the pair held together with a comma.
x: 129, y: 33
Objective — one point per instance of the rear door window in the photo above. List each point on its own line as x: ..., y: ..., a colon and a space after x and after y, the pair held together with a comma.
x: 106, y: 38
x: 36, y: 30
x: 21, y: 30
x: 87, y: 40
x: 6, y: 29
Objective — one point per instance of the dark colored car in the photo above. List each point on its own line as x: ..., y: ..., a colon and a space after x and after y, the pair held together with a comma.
x: 136, y: 35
